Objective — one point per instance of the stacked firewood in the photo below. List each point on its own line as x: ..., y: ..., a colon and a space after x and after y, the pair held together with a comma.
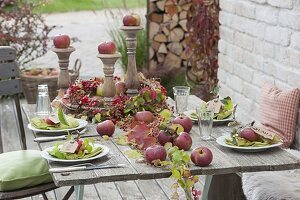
x: 168, y: 33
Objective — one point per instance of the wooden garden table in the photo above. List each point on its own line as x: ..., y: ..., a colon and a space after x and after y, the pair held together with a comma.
x: 226, y: 163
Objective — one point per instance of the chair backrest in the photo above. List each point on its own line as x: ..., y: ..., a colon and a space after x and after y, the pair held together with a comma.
x: 10, y: 85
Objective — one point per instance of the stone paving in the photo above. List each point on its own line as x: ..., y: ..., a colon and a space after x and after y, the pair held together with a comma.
x: 91, y: 28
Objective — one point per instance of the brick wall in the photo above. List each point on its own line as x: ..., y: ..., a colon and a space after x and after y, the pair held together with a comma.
x: 260, y: 41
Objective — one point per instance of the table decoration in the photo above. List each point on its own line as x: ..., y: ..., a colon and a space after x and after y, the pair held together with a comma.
x: 141, y: 112
x: 63, y: 51
x: 131, y: 77
x: 108, y: 56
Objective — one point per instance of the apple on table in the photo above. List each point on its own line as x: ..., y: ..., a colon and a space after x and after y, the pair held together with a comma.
x: 107, y: 47
x: 61, y: 41
x: 183, y: 141
x: 185, y: 122
x: 201, y: 156
x: 155, y: 152
x: 105, y: 128
x: 131, y: 20
x: 144, y: 116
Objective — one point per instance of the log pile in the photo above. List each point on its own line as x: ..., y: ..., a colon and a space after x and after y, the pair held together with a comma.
x: 167, y: 33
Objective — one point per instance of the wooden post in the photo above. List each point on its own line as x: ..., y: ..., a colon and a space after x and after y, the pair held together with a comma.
x: 64, y: 80
x: 131, y: 78
x: 109, y: 60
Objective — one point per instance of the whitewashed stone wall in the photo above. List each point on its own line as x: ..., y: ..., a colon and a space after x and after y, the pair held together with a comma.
x: 260, y: 41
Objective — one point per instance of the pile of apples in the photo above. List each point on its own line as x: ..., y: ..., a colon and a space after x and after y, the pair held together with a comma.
x: 200, y: 156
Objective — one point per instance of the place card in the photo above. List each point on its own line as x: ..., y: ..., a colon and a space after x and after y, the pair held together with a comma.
x: 263, y: 132
x: 214, y: 105
x: 69, y: 146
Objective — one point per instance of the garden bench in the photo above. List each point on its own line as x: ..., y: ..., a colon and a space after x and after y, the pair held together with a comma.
x: 279, y: 110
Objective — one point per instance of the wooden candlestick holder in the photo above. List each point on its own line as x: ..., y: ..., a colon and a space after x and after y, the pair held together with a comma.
x: 109, y: 60
x: 64, y: 80
x: 131, y: 77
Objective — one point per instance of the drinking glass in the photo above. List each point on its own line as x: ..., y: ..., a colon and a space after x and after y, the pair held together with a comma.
x: 181, y: 95
x: 205, y: 122
x: 43, y: 104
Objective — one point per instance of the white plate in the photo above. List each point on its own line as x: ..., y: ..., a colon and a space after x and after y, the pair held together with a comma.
x: 47, y: 156
x: 221, y: 141
x: 82, y: 124
x: 215, y: 121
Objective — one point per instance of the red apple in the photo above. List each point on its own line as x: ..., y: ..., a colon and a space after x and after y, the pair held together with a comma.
x: 107, y: 48
x: 144, y: 116
x: 106, y: 128
x: 120, y: 87
x: 248, y: 134
x: 201, y: 156
x: 61, y: 41
x: 155, y: 152
x: 185, y: 122
x: 131, y: 20
x: 183, y: 141
x: 164, y: 137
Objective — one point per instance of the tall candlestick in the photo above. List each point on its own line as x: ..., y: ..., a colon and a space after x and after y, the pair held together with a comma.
x: 109, y: 60
x: 64, y: 80
x: 131, y: 78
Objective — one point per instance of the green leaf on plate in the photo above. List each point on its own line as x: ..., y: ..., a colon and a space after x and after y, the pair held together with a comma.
x: 61, y: 116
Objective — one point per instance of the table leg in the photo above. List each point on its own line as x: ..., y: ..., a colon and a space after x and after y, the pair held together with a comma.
x: 226, y: 186
x: 79, y: 189
x: 208, y: 179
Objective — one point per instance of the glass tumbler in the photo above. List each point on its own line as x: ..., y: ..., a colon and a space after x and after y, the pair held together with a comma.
x: 205, y: 122
x: 181, y: 95
x: 43, y: 104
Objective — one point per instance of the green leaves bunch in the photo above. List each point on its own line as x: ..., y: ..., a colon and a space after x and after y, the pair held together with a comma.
x: 179, y: 165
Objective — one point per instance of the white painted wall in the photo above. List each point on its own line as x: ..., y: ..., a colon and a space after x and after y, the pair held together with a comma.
x: 260, y: 41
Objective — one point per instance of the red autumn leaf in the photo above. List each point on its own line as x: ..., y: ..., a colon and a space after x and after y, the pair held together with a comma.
x: 139, y: 131
x: 140, y: 135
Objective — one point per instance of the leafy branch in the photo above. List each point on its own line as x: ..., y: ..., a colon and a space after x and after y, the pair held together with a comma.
x: 179, y: 165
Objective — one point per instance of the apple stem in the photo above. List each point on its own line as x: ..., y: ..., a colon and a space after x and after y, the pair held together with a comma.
x: 176, y: 129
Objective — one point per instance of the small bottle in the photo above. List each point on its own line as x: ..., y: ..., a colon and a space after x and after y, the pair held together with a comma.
x: 43, y: 104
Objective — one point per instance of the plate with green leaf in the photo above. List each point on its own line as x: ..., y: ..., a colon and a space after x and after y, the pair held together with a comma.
x: 245, y: 146
x: 225, y: 114
x: 93, y: 151
x: 56, y: 123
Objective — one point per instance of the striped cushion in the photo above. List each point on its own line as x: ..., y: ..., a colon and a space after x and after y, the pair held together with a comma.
x: 279, y: 111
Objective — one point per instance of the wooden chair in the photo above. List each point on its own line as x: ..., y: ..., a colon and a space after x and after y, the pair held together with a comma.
x: 10, y: 85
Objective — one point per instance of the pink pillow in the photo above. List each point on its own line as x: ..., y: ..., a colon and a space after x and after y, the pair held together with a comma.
x: 279, y: 111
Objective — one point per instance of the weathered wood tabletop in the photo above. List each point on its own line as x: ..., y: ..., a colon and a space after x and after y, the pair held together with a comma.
x: 225, y: 161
